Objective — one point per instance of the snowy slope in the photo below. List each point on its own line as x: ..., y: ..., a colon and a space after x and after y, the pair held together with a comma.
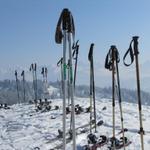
x: 22, y: 128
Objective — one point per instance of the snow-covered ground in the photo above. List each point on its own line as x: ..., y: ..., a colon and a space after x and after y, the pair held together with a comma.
x: 22, y: 128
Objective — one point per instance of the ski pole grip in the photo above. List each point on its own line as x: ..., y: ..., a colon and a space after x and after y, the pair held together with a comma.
x: 116, y: 53
x: 113, y: 48
x: 90, y: 56
x: 135, y: 44
x: 35, y: 66
x: 15, y: 73
x: 65, y: 18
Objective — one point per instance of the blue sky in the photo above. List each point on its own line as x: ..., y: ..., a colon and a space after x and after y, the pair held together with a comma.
x: 27, y: 30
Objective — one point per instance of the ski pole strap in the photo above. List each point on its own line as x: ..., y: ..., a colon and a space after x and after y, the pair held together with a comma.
x: 65, y: 22
x: 108, y: 61
x: 131, y: 55
x: 109, y: 57
x: 90, y: 56
x: 59, y: 62
x: 75, y: 48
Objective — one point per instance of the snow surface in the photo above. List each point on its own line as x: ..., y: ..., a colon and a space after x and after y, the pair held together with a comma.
x: 22, y: 128
x: 51, y: 90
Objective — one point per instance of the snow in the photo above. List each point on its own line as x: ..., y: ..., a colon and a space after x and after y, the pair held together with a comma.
x: 22, y: 128
x: 51, y: 90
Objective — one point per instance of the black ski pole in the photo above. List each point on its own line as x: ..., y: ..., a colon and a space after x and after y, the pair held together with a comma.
x: 134, y: 54
x: 33, y: 76
x: 42, y: 72
x: 43, y: 75
x: 75, y: 48
x: 23, y: 80
x: 46, y: 74
x: 118, y: 90
x: 16, y: 75
x: 92, y: 83
x: 35, y: 73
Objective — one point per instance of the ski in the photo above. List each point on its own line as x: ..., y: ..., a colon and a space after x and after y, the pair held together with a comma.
x: 69, y: 138
x: 82, y: 129
x: 95, y: 142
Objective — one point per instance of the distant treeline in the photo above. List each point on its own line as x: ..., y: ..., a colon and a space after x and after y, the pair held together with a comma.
x: 8, y: 92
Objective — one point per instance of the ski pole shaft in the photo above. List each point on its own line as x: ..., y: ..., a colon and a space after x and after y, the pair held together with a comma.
x: 136, y: 52
x: 72, y: 91
x: 64, y: 89
x: 17, y: 86
x: 92, y: 84
x: 24, y: 92
x: 118, y: 91
x: 35, y: 71
x: 113, y: 92
x: 76, y: 62
x: 68, y: 82
x: 121, y: 116
x: 91, y: 101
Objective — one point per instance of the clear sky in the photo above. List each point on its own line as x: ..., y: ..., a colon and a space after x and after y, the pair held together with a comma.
x: 27, y: 30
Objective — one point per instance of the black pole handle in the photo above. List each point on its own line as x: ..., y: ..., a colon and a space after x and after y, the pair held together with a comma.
x: 90, y: 56
x: 75, y: 48
x: 65, y: 22
x: 109, y: 57
x: 22, y: 74
x: 135, y: 45
x: 16, y: 73
x: 59, y: 62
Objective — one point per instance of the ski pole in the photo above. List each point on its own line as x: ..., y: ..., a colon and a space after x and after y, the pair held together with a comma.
x: 60, y: 63
x: 35, y: 73
x: 68, y: 65
x: 92, y: 83
x: 134, y: 54
x: 46, y: 82
x: 16, y: 75
x: 33, y: 76
x: 71, y: 31
x: 42, y: 72
x: 43, y: 75
x: 118, y: 91
x: 75, y: 56
x: 59, y: 36
x: 109, y: 64
x: 113, y: 93
x: 66, y: 24
x: 23, y: 80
